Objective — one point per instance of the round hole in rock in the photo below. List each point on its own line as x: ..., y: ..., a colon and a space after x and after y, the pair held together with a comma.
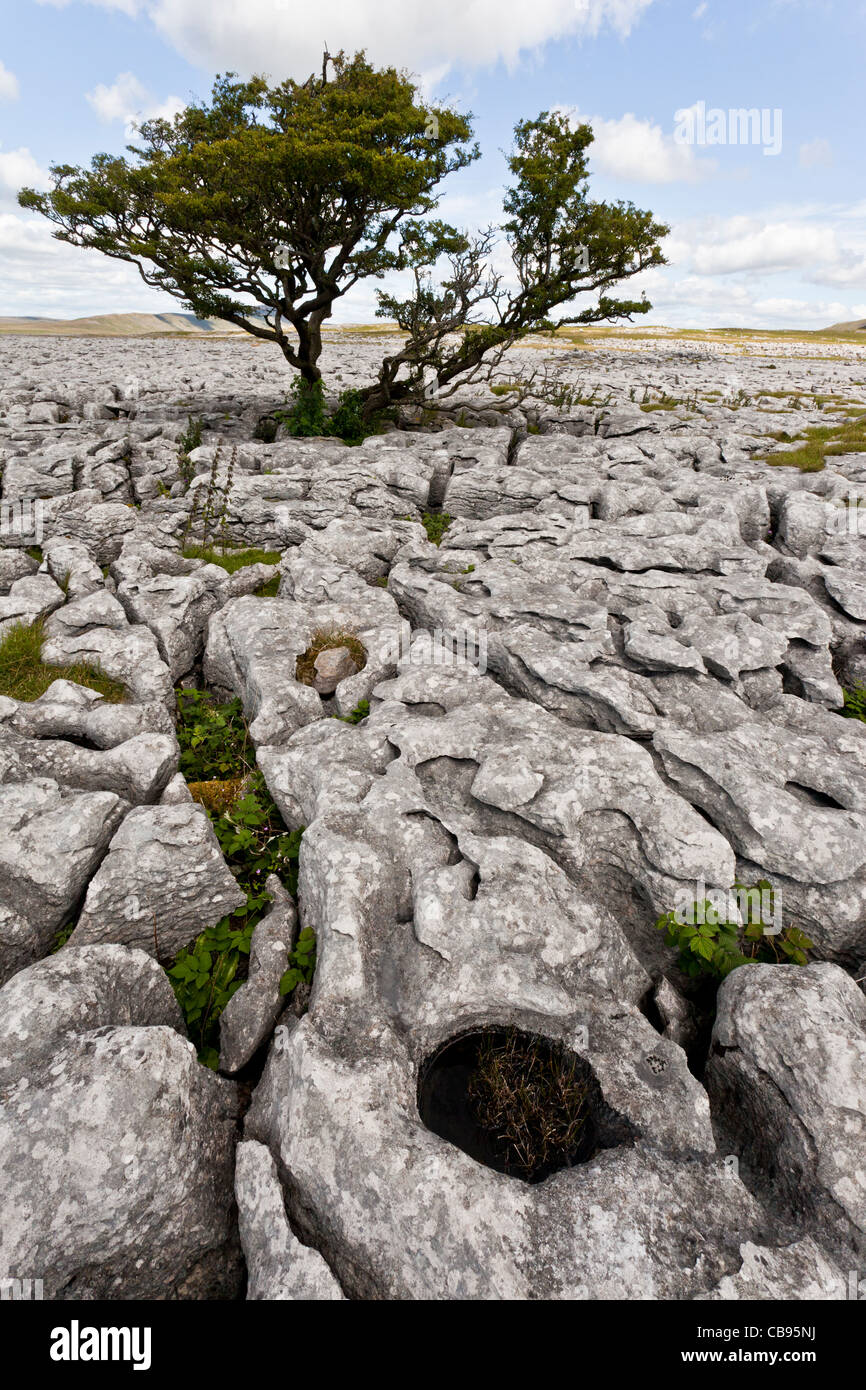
x: 517, y: 1102
x: 347, y: 655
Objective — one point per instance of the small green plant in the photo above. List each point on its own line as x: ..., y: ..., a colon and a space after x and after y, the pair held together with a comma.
x: 302, y: 962
x: 188, y: 440
x: 217, y: 500
x: 214, y: 739
x: 256, y: 843
x: 361, y: 710
x: 435, y: 524
x: 305, y: 413
x: 713, y: 940
x: 270, y: 589
x: 24, y: 675
x: 855, y: 703
x: 347, y: 422
x: 307, y: 416
x: 62, y: 936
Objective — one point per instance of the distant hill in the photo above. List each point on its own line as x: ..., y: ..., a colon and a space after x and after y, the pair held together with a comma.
x: 855, y: 326
x: 117, y: 325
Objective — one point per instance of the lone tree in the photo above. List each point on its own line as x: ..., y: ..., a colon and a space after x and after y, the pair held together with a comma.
x: 267, y: 205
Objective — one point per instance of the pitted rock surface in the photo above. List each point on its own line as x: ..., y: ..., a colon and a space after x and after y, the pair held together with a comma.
x: 618, y: 681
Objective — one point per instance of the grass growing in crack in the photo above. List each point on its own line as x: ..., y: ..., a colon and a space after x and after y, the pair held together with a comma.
x: 712, y: 944
x: 24, y: 675
x: 62, y: 936
x: 435, y: 524
x: 820, y: 443
x: 231, y: 560
x: 855, y: 703
x: 533, y: 1095
x: 326, y: 639
x: 255, y: 842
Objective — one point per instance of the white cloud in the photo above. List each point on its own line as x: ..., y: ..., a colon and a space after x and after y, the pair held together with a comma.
x: 41, y: 275
x: 128, y: 100
x: 808, y: 246
x: 742, y: 243
x: 700, y: 10
x: 694, y: 302
x: 285, y: 38
x: 18, y: 169
x: 116, y: 103
x: 9, y: 87
x: 640, y: 151
x: 816, y: 153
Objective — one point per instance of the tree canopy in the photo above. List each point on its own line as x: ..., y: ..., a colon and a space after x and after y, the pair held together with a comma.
x: 268, y: 204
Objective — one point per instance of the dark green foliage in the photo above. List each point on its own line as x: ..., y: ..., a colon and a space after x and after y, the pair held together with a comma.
x: 62, y: 936
x: 255, y: 843
x: 328, y: 169
x: 855, y: 703
x: 302, y: 962
x: 711, y: 944
x: 214, y: 740
x: 282, y: 198
x: 435, y: 524
x: 215, y: 748
x: 307, y: 415
x: 190, y: 438
x: 361, y: 710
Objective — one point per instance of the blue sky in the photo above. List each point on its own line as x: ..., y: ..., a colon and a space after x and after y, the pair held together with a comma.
x: 773, y: 240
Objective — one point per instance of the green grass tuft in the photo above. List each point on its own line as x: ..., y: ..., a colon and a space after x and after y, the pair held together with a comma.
x: 231, y: 560
x: 822, y: 442
x: 24, y: 675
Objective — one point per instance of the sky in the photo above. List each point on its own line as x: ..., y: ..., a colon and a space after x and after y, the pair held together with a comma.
x: 767, y: 218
